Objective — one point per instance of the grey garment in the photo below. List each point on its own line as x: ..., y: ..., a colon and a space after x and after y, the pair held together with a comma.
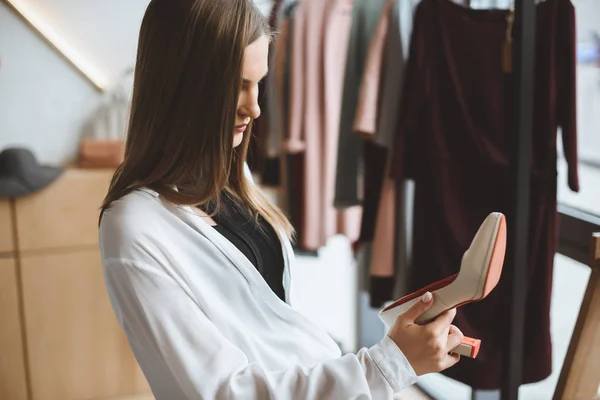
x: 291, y: 195
x: 290, y: 9
x: 272, y: 104
x: 277, y: 108
x: 395, y: 57
x: 363, y: 263
x: 405, y: 191
x: 365, y: 17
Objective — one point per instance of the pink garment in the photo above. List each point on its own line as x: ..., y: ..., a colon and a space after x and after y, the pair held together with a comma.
x: 321, y: 33
x: 365, y: 122
x: 384, y: 241
x: 298, y: 64
x: 337, y: 37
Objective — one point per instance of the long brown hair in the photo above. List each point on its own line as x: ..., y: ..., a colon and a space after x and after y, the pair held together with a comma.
x: 186, y: 85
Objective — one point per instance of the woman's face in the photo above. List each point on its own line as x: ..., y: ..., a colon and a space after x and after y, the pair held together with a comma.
x: 254, y: 69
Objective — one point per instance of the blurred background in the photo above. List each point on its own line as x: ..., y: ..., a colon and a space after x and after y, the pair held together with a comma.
x: 65, y: 82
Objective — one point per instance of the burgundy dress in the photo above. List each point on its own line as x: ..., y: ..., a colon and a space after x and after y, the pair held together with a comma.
x: 452, y: 139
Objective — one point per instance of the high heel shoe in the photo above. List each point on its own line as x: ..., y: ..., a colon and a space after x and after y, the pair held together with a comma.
x: 480, y: 271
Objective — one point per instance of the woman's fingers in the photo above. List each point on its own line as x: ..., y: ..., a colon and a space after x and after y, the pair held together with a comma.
x: 450, y: 360
x: 455, y: 337
x: 441, y: 323
x: 427, y: 348
x: 409, y: 316
x: 454, y: 328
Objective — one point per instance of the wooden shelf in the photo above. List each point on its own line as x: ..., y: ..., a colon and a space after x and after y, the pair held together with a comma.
x: 7, y: 244
x: 59, y: 337
x: 13, y: 383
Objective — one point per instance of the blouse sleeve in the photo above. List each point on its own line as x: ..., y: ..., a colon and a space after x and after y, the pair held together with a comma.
x: 184, y: 356
x: 566, y: 81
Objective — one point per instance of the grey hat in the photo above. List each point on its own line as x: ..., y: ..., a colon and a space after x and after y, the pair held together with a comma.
x: 21, y: 174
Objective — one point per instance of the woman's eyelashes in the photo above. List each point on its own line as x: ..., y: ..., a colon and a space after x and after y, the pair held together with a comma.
x: 261, y: 89
x: 247, y: 86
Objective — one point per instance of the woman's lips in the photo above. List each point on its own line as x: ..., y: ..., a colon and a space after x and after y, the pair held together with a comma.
x: 241, y: 128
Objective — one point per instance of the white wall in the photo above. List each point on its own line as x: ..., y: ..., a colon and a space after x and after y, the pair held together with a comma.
x: 104, y: 31
x: 44, y: 102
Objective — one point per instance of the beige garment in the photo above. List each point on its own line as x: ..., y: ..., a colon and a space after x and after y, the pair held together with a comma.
x: 365, y: 122
x: 321, y: 31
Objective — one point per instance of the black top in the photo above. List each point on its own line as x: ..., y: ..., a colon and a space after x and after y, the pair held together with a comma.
x: 257, y: 241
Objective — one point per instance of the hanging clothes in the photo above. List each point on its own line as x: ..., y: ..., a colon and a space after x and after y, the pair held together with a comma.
x: 349, y: 171
x: 378, y: 103
x: 336, y: 39
x: 292, y: 164
x: 260, y: 158
x: 376, y: 120
x: 271, y: 169
x: 275, y: 113
x: 375, y: 156
x: 365, y: 17
x: 366, y: 113
x: 321, y: 33
x: 395, y: 56
x: 392, y: 204
x: 383, y: 262
x: 390, y: 266
x: 454, y: 140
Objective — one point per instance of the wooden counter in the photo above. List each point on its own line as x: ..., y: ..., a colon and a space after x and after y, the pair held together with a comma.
x: 13, y: 382
x: 59, y: 337
x: 6, y: 228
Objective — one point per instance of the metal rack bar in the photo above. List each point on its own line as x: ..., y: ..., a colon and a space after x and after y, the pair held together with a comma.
x: 523, y: 55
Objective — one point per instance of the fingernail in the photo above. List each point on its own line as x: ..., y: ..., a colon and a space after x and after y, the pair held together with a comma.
x: 427, y: 297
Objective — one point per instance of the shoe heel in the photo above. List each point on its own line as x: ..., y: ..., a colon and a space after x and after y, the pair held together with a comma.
x: 469, y: 347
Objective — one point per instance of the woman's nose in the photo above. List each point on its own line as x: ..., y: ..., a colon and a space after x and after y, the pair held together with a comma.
x: 253, y: 110
x: 249, y: 106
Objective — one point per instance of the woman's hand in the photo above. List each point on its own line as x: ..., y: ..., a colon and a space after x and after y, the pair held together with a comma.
x: 427, y: 347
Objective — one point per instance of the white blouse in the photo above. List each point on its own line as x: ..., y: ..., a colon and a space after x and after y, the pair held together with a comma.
x: 204, y: 324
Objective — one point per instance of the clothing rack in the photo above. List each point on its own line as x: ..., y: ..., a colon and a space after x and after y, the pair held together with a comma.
x: 523, y: 56
x: 520, y: 132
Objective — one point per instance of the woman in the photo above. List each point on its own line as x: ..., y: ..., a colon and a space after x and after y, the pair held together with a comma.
x: 196, y: 260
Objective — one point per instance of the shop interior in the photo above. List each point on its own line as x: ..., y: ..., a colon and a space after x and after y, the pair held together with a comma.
x: 389, y: 130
